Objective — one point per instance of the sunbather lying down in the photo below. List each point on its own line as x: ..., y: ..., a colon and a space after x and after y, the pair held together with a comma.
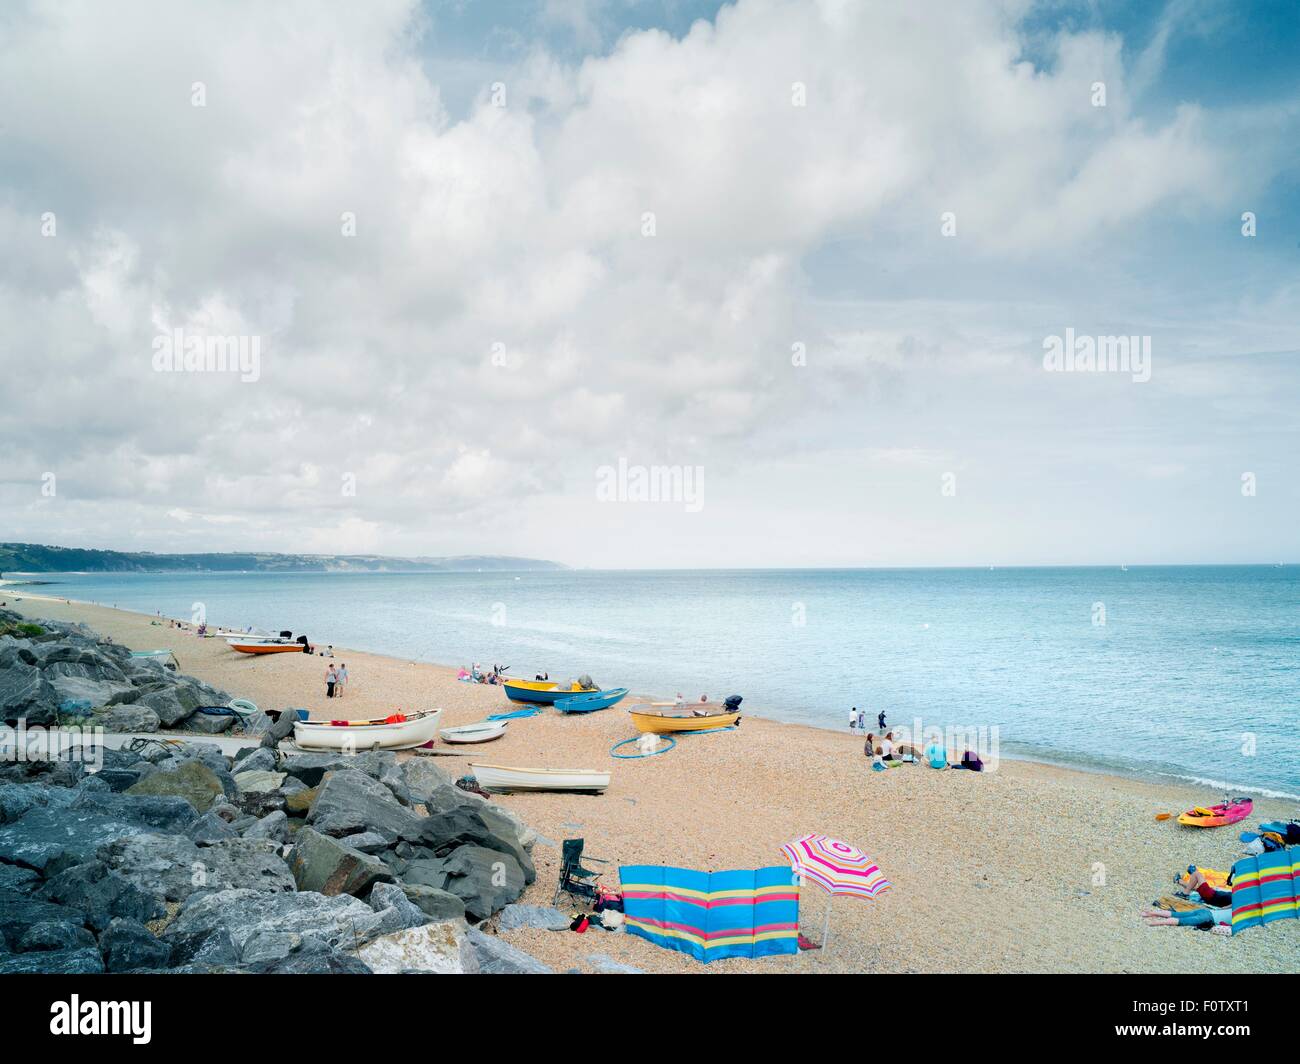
x: 1214, y: 911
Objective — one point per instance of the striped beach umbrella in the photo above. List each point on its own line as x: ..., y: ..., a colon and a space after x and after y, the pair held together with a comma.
x: 837, y: 867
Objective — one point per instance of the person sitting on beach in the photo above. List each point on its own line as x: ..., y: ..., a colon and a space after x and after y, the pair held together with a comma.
x: 543, y: 677
x: 936, y: 755
x: 971, y: 760
x: 887, y: 747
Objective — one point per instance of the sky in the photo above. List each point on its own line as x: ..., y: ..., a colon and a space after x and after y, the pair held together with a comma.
x: 797, y: 264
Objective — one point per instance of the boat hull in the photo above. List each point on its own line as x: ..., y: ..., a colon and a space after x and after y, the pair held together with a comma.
x: 404, y: 735
x: 539, y: 692
x: 1232, y: 813
x: 659, y: 724
x: 517, y: 778
x: 483, y: 732
x: 591, y: 701
x: 267, y: 648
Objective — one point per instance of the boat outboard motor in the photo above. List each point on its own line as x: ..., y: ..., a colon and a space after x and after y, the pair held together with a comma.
x: 732, y: 702
x: 286, y: 634
x: 587, y: 683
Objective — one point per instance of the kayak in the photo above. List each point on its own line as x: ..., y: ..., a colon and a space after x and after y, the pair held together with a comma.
x: 1216, y: 816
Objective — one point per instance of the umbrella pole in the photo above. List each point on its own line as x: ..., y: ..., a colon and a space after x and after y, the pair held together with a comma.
x: 826, y: 927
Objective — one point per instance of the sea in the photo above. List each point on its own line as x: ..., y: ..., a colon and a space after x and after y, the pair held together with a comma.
x: 1174, y: 672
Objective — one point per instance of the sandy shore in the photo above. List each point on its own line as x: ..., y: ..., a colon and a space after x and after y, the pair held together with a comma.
x: 1027, y: 869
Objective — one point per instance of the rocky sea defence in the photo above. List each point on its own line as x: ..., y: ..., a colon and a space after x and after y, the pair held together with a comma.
x: 168, y: 853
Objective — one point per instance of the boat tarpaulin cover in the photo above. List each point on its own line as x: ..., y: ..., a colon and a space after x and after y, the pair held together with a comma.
x: 1265, y: 888
x: 743, y: 913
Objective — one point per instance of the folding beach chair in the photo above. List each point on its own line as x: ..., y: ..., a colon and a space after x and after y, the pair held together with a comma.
x: 576, y: 881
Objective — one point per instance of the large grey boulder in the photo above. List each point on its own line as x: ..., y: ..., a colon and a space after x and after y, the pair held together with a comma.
x: 86, y: 689
x: 18, y: 912
x: 442, y: 949
x: 53, y: 935
x: 173, y: 867
x: 256, y: 781
x: 101, y: 895
x: 127, y: 718
x: 209, y: 723
x: 210, y: 946
x: 496, y: 957
x: 312, y: 768
x: 17, y: 878
x: 325, y: 865
x: 172, y: 704
x: 50, y: 840
x: 313, y: 962
x: 446, y: 797
x: 63, y: 962
x: 254, y: 759
x: 422, y: 776
x: 26, y: 695
x: 485, y: 880
x: 474, y: 825
x: 261, y: 925
x: 281, y: 728
x: 274, y: 826
x: 192, y: 780
x: 437, y: 905
x: 128, y: 945
x: 350, y: 801
x: 397, y: 910
x: 19, y: 799
x: 164, y: 813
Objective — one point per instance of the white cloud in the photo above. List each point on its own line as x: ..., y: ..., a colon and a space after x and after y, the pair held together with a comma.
x: 522, y: 227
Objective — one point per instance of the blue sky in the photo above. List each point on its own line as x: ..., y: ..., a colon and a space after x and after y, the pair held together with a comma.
x: 499, y: 325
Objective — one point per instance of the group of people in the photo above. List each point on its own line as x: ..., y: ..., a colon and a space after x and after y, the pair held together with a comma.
x: 336, y: 679
x: 858, y: 719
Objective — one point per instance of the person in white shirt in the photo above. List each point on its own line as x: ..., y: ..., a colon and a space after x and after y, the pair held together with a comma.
x: 887, y: 747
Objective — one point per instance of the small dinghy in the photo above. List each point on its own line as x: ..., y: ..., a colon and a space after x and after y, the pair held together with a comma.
x: 591, y: 701
x: 1217, y: 816
x: 482, y: 732
x: 357, y: 735
x: 254, y: 647
x: 543, y: 692
x: 515, y: 778
x: 667, y: 718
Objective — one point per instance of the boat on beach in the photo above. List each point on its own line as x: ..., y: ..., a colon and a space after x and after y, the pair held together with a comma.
x: 358, y: 735
x: 517, y: 778
x: 666, y: 718
x: 591, y: 701
x: 484, y: 731
x: 246, y: 647
x: 545, y: 692
x: 1216, y: 816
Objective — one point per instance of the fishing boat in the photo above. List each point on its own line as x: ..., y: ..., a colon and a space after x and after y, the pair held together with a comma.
x: 591, y: 701
x: 515, y: 778
x: 358, y: 735
x: 246, y: 647
x: 664, y: 718
x: 546, y: 692
x: 482, y: 732
x: 1216, y: 816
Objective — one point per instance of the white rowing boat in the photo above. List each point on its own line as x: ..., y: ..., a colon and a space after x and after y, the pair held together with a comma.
x: 482, y: 732
x: 515, y: 778
x: 359, y: 735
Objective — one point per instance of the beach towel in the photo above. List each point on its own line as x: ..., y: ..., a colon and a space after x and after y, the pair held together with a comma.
x: 1264, y: 888
x: 741, y: 913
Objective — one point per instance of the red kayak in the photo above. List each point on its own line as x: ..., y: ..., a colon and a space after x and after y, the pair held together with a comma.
x: 1216, y: 816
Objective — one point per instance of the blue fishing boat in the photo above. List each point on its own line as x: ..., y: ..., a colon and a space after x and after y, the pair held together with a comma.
x: 591, y: 701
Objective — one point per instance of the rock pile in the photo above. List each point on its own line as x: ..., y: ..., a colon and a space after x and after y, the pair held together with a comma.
x: 174, y: 856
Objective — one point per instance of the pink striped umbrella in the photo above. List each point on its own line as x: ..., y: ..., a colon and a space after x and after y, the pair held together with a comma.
x: 836, y: 867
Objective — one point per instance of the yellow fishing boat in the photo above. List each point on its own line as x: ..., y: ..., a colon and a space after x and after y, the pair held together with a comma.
x: 664, y: 718
x: 545, y: 692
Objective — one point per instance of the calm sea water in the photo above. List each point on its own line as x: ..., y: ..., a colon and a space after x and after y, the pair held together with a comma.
x: 1189, y: 660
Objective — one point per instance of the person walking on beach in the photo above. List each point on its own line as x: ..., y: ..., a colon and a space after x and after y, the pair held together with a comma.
x: 331, y: 678
x: 862, y: 720
x: 342, y: 681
